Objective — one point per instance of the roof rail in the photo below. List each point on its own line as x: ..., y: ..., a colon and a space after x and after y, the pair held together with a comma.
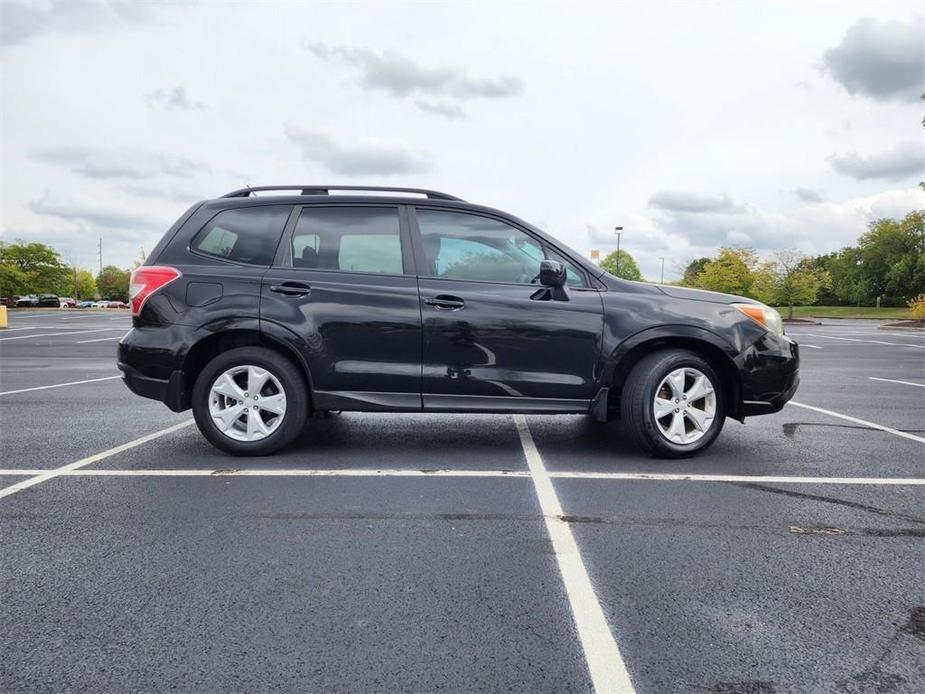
x: 325, y: 190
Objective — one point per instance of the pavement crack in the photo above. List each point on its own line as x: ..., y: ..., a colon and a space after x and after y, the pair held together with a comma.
x: 790, y: 428
x: 831, y: 500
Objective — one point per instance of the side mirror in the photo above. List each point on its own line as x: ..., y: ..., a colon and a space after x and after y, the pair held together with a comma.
x: 552, y: 277
x: 552, y: 273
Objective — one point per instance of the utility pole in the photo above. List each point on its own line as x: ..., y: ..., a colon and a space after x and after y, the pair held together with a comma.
x: 70, y: 255
x: 619, y: 232
x: 101, y: 255
x: 662, y: 281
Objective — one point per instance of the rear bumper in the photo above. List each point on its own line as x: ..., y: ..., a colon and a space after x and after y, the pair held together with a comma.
x: 770, y: 373
x: 150, y: 360
x: 169, y: 391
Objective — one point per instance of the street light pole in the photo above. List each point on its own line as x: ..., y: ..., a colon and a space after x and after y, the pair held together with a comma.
x: 662, y: 281
x: 619, y: 232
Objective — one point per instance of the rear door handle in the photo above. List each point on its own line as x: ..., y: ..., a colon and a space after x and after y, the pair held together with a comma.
x: 445, y: 302
x: 291, y: 289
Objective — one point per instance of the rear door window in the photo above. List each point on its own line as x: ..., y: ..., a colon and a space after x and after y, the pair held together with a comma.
x: 348, y: 239
x: 244, y: 235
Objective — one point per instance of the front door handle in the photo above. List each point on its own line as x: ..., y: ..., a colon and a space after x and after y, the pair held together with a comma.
x: 291, y: 288
x: 445, y: 302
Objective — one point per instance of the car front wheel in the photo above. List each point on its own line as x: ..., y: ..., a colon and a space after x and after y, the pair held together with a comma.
x: 672, y: 404
x: 250, y: 401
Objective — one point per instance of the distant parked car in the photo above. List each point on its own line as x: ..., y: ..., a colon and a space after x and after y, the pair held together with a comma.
x: 67, y: 302
x: 116, y: 304
x: 84, y: 304
x: 100, y: 304
x: 49, y: 301
x: 27, y: 300
x: 8, y: 301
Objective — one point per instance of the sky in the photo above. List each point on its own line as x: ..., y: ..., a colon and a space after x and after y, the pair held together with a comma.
x: 690, y: 124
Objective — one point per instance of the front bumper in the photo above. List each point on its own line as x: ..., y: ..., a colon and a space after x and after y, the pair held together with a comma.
x: 770, y: 374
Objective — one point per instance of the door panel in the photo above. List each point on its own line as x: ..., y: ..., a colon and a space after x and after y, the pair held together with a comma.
x: 503, y: 343
x: 358, y: 321
x: 489, y: 335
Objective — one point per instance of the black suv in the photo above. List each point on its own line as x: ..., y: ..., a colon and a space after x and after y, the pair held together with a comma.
x: 260, y: 311
x: 38, y: 301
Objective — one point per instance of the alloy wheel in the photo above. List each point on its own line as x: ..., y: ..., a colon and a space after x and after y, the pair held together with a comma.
x: 247, y: 403
x: 684, y: 406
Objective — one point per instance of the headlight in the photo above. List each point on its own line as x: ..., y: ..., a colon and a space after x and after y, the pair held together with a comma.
x: 765, y: 316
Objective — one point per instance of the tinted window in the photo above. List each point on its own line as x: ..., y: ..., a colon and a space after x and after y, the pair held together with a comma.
x: 465, y: 246
x: 350, y: 239
x: 246, y: 235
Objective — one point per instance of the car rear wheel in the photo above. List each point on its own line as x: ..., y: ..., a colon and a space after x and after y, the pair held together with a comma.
x: 672, y: 404
x: 250, y: 401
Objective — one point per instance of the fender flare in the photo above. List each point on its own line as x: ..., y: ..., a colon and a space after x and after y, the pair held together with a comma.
x: 671, y: 333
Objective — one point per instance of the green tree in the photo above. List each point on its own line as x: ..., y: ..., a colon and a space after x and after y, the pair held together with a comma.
x: 13, y: 281
x: 84, y: 285
x: 691, y: 272
x: 796, y: 280
x: 112, y: 283
x: 844, y: 268
x: 621, y: 264
x: 729, y: 272
x: 32, y: 268
x: 890, y: 252
x: 765, y: 283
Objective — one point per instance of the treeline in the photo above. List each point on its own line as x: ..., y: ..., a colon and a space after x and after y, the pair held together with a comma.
x: 888, y: 263
x: 34, y: 268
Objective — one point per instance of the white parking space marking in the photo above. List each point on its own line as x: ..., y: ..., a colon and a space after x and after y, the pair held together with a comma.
x: 517, y: 474
x: 862, y: 422
x: 46, y: 475
x: 99, y: 339
x: 873, y: 332
x: 605, y: 664
x: 59, y: 385
x: 872, y: 342
x: 70, y: 332
x: 893, y: 380
x: 804, y: 344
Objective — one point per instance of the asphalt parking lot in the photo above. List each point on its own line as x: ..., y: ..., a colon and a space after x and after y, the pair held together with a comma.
x: 460, y: 553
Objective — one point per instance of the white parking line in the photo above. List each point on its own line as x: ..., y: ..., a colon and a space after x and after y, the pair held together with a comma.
x: 69, y: 332
x: 59, y: 385
x: 862, y: 422
x: 893, y: 380
x: 46, y: 475
x: 99, y: 339
x: 806, y: 344
x: 872, y: 342
x: 605, y: 664
x: 514, y: 474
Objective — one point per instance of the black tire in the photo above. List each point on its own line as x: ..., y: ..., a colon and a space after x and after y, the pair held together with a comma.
x: 638, y: 398
x: 289, y: 376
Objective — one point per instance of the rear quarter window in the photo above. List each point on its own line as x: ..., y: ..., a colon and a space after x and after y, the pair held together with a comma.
x: 246, y: 235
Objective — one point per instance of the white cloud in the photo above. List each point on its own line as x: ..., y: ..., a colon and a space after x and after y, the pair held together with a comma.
x: 394, y: 73
x: 905, y: 160
x: 358, y: 158
x: 23, y: 20
x: 122, y: 163
x: 174, y: 98
x: 880, y: 59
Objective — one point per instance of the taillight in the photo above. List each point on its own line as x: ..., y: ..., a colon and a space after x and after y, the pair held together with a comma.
x: 146, y: 280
